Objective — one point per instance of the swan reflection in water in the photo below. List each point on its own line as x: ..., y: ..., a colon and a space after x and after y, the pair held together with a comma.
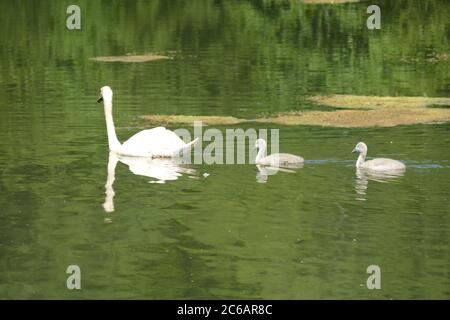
x: 363, y: 176
x: 160, y: 169
x: 265, y: 171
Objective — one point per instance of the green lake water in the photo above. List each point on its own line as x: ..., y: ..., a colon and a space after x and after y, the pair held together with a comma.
x: 306, y: 234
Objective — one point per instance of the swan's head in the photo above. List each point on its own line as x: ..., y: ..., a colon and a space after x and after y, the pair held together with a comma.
x: 361, y: 147
x: 106, y: 94
x: 260, y: 144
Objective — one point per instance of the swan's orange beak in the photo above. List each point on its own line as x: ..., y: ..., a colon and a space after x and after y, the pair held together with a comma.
x: 100, y: 99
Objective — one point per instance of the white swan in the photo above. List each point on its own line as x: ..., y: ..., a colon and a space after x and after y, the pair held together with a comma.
x: 155, y: 143
x: 276, y: 159
x: 378, y: 164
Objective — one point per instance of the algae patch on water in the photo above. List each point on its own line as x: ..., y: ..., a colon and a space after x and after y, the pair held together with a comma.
x: 328, y: 1
x: 131, y: 58
x: 387, y: 117
x: 351, y: 111
x: 376, y: 102
x: 208, y: 120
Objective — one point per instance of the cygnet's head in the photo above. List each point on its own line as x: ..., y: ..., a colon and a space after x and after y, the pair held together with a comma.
x: 260, y: 143
x: 360, y: 148
x: 106, y: 94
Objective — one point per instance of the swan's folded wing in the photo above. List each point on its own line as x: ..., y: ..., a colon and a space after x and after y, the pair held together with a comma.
x: 187, y: 146
x: 281, y: 159
x: 384, y: 164
x: 157, y: 142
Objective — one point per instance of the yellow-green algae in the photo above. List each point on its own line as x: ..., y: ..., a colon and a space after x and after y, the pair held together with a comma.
x: 376, y: 102
x: 131, y: 58
x: 212, y: 120
x: 328, y: 1
x: 359, y: 111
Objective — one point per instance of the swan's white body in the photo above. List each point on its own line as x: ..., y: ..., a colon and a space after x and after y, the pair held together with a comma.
x: 276, y: 159
x: 158, y: 142
x: 378, y: 164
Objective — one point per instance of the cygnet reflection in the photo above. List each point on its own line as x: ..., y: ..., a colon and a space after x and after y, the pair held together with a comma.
x: 363, y: 176
x: 262, y: 176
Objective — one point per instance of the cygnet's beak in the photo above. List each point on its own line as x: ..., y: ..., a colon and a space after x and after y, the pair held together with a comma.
x: 354, y: 150
x: 100, y: 99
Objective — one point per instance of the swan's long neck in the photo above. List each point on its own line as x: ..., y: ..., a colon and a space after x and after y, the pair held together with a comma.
x: 113, y: 142
x: 361, y: 159
x: 261, y: 153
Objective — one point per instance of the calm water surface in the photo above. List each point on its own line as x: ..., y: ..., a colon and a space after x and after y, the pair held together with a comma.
x: 307, y: 234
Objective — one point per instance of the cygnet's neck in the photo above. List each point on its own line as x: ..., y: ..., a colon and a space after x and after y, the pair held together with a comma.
x: 261, y: 153
x: 113, y: 142
x: 361, y: 159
